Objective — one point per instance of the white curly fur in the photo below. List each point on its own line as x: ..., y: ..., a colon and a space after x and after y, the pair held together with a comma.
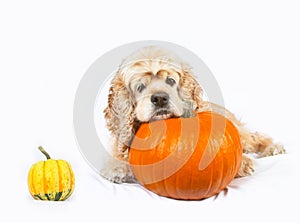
x: 125, y: 105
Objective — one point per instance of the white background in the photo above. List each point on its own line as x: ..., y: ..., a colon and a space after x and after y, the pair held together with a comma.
x: 252, y: 48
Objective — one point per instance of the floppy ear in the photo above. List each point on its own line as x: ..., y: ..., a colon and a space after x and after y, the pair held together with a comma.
x: 119, y: 113
x: 191, y: 89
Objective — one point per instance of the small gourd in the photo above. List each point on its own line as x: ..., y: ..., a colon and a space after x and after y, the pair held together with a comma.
x: 51, y: 180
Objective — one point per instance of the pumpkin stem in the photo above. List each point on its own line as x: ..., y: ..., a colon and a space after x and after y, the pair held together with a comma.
x: 189, y: 112
x: 44, y: 152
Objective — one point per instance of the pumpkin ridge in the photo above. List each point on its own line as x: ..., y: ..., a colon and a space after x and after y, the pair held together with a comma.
x: 229, y: 138
x: 192, y: 174
x: 44, y: 178
x: 221, y: 165
x: 164, y: 186
x: 71, y: 175
x: 234, y: 158
x: 59, y: 177
x: 32, y: 185
x: 170, y: 152
x: 209, y: 189
x: 67, y: 195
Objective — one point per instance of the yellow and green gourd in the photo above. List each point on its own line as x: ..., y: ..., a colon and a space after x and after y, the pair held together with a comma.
x: 51, y: 180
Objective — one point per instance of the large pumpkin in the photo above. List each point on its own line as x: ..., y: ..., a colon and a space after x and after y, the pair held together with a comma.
x: 186, y: 158
x: 51, y: 180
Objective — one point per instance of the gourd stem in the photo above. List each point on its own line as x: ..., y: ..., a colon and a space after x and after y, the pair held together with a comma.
x: 44, y: 152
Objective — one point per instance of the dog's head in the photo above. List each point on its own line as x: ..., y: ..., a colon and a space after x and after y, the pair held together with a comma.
x: 157, y: 95
x: 160, y: 85
x: 151, y: 84
x: 156, y: 90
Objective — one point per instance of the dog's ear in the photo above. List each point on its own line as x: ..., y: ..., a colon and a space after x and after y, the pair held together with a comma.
x: 119, y: 113
x: 190, y: 89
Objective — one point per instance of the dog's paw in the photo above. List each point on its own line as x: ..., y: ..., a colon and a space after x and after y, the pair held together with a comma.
x: 272, y: 150
x: 118, y: 174
x: 247, y: 167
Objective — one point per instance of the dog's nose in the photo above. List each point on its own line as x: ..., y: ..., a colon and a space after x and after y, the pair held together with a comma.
x: 160, y: 99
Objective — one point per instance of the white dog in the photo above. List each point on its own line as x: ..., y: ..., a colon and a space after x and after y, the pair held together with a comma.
x: 153, y: 84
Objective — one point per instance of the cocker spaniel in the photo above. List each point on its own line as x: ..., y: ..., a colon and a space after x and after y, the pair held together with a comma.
x: 153, y: 84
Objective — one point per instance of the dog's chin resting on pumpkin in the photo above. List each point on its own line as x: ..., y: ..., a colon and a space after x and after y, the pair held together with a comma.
x: 153, y: 84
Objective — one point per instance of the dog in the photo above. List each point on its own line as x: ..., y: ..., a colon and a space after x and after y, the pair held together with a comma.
x: 154, y: 84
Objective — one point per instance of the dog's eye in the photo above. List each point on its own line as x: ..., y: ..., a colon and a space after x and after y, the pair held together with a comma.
x: 140, y: 87
x: 170, y: 81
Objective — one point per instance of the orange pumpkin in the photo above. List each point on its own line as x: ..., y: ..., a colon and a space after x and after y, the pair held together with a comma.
x: 186, y: 158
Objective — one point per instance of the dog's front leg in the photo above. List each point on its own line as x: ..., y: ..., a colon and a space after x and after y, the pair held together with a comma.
x: 118, y: 171
x: 247, y: 167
